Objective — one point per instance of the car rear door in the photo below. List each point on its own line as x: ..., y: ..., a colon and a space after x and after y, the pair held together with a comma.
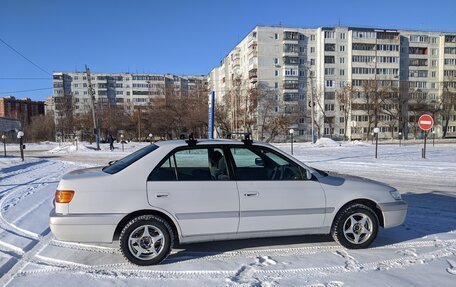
x: 274, y: 194
x: 194, y: 185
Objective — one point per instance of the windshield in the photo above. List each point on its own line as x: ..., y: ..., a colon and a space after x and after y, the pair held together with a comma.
x: 129, y: 159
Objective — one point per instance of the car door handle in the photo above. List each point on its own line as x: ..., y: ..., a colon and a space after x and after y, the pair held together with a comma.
x: 249, y: 194
x: 159, y: 195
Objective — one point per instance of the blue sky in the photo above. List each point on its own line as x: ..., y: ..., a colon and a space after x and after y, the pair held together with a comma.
x: 179, y: 37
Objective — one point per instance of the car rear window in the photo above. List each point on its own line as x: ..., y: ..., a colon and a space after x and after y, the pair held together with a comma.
x: 129, y: 159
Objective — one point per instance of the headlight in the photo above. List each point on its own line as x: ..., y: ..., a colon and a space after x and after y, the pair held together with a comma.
x: 395, y: 194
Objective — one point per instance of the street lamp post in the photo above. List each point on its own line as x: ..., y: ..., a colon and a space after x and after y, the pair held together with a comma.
x: 4, y: 144
x: 376, y: 131
x: 150, y: 138
x: 291, y: 131
x: 122, y: 141
x: 20, y: 136
x: 76, y: 140
x: 433, y: 137
x: 400, y: 139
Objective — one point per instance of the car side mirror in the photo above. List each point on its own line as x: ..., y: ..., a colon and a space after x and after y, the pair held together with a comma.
x: 259, y: 162
x: 308, y: 174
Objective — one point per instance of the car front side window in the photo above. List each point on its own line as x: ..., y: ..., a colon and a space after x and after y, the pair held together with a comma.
x: 261, y: 164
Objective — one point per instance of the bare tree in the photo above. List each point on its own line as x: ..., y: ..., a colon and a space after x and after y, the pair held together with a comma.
x: 447, y: 103
x: 41, y: 128
x: 344, y: 98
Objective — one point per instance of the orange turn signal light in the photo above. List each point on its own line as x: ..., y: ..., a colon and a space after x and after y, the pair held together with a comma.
x: 64, y: 196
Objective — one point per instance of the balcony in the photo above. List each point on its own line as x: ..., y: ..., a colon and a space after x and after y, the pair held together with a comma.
x: 290, y: 85
x: 253, y: 77
x: 290, y: 97
x: 290, y: 51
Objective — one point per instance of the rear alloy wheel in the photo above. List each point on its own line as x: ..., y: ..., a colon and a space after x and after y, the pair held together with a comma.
x: 146, y: 240
x: 355, y: 227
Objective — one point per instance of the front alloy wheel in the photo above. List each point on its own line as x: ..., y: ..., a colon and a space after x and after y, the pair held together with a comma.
x: 146, y: 240
x: 355, y: 226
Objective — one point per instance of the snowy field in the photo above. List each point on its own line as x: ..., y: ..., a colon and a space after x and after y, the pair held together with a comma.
x: 421, y: 252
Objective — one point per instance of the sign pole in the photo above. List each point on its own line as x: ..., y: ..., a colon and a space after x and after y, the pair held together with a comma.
x: 425, y: 122
x: 424, y: 150
x: 210, y: 133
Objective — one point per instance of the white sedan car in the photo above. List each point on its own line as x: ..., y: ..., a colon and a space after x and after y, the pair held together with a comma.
x: 194, y: 191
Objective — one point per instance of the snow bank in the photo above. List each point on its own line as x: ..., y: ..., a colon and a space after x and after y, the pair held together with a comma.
x: 326, y: 142
x: 70, y: 148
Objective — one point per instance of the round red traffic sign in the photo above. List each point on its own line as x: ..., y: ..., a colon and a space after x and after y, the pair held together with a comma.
x: 426, y: 122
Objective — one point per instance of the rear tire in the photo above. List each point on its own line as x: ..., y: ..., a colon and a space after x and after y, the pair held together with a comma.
x: 146, y: 240
x: 355, y: 226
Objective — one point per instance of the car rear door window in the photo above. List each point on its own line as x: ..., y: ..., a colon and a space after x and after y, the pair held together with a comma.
x: 193, y: 164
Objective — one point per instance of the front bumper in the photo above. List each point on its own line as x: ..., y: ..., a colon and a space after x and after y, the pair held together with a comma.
x: 84, y: 227
x: 393, y: 213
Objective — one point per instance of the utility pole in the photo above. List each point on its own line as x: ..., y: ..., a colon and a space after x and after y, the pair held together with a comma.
x: 312, y: 116
x: 92, y: 106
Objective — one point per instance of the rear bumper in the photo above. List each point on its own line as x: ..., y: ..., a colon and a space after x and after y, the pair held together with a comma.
x: 84, y: 227
x: 393, y: 213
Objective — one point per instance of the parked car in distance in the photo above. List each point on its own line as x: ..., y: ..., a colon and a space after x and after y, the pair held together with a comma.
x: 205, y: 190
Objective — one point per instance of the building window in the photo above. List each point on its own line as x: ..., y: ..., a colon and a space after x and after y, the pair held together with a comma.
x: 312, y: 62
x: 330, y: 47
x: 329, y: 83
x: 312, y: 37
x: 276, y: 73
x: 276, y: 36
x: 342, y: 36
x: 342, y: 48
x: 276, y: 85
x: 329, y: 34
x: 368, y: 35
x: 276, y: 61
x: 342, y: 72
x: 341, y: 60
x: 329, y: 60
x: 312, y: 50
x: 329, y: 71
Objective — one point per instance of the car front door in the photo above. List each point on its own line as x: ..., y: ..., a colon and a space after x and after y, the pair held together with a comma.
x: 275, y: 194
x: 195, y: 186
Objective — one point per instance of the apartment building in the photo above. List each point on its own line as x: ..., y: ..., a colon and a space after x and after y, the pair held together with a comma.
x: 20, y: 109
x: 385, y: 66
x: 125, y: 90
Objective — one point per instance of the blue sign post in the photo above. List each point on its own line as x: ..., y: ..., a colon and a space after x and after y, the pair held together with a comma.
x: 211, y: 115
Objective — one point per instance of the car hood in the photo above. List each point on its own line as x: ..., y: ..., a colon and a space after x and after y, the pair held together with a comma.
x: 336, y: 179
x: 85, y: 173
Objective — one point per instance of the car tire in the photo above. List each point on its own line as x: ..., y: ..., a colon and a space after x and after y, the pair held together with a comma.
x: 146, y: 240
x: 355, y: 226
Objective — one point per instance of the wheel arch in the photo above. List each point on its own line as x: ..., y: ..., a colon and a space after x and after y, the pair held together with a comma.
x: 367, y: 202
x: 130, y: 216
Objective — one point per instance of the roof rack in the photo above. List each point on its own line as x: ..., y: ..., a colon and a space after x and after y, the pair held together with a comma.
x: 191, y: 140
x: 247, y: 137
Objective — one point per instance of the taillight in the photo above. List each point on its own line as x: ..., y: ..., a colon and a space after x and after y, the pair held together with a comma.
x: 64, y: 196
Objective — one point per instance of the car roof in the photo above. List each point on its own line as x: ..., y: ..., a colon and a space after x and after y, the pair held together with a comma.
x: 179, y: 143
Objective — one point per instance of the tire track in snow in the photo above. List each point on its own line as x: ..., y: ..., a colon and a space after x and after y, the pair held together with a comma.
x: 20, y: 194
x: 399, y: 262
x: 13, y: 196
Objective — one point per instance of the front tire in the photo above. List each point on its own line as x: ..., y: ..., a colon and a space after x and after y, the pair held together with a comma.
x: 355, y: 227
x: 146, y: 240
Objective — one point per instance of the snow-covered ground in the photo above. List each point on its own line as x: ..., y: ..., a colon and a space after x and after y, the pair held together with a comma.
x: 421, y: 252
